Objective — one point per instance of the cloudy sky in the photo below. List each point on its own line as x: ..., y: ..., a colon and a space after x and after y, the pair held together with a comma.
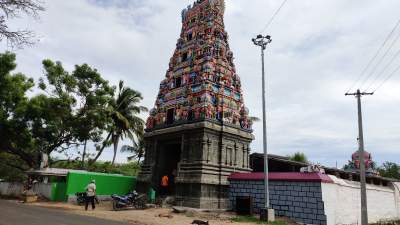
x: 319, y: 48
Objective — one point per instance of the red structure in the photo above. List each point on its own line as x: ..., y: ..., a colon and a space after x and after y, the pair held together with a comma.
x: 283, y: 176
x: 355, y: 158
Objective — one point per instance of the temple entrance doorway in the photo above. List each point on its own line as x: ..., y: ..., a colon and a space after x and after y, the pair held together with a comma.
x: 169, y: 155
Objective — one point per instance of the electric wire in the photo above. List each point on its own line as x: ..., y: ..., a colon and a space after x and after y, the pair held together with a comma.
x: 387, y: 78
x: 366, y: 79
x: 375, y: 56
x: 384, y: 69
x: 273, y: 16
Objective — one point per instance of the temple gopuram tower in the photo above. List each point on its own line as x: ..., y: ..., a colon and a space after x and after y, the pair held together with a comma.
x: 198, y: 132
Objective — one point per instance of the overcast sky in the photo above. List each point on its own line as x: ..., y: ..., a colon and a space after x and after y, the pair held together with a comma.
x: 319, y: 48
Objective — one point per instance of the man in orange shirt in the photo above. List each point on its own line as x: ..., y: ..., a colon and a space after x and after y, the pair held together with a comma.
x: 164, y: 185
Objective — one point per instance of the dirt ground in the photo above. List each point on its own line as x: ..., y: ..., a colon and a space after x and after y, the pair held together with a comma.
x: 152, y: 216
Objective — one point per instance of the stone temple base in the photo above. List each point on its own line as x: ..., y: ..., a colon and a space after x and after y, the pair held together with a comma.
x: 203, y: 196
x: 208, y: 153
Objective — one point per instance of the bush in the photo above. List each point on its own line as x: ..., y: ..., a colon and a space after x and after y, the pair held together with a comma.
x: 127, y: 169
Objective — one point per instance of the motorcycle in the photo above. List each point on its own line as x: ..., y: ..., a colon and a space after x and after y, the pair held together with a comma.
x: 80, y: 198
x: 131, y: 200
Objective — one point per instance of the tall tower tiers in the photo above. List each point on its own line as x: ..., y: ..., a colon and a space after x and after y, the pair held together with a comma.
x: 198, y: 131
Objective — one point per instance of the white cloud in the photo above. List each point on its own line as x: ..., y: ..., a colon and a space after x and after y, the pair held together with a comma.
x: 318, y: 50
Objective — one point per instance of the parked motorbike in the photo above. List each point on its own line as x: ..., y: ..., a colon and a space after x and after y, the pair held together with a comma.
x: 80, y: 198
x: 132, y: 200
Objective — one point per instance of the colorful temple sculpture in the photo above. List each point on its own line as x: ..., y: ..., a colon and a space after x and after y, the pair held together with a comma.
x: 199, y: 131
x: 354, y: 164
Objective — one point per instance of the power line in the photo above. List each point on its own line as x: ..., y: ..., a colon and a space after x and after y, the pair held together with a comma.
x: 384, y: 69
x: 273, y: 16
x: 375, y: 56
x: 380, y: 61
x: 387, y: 78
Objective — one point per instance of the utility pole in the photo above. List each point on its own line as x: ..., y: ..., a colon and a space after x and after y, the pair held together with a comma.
x: 266, y: 214
x: 364, y: 209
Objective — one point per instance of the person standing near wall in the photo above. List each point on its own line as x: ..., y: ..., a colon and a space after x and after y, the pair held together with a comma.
x: 164, y: 185
x: 90, y: 194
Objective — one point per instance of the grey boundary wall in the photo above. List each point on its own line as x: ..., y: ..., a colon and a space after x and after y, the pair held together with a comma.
x: 16, y: 189
x: 11, y: 189
x: 300, y: 201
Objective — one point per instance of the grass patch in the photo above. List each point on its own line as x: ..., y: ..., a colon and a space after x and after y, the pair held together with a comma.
x: 253, y: 219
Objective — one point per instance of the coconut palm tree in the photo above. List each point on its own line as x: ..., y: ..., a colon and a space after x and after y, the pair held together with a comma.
x: 125, y: 117
x: 137, y: 148
x: 124, y: 113
x: 254, y: 119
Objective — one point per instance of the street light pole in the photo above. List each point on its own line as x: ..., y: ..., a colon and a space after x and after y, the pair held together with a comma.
x: 267, y: 213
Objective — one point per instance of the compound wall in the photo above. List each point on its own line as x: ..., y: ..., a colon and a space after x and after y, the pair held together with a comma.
x: 294, y: 195
x: 313, y: 198
x: 11, y: 189
x: 342, y: 202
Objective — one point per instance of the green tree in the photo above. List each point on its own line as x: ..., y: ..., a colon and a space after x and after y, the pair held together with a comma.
x: 12, y: 168
x: 71, y: 109
x: 127, y: 169
x: 299, y: 157
x: 91, y: 94
x: 126, y: 122
x: 137, y: 148
x: 390, y: 170
x: 14, y: 130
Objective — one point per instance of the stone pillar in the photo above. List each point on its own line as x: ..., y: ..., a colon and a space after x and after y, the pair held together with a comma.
x: 232, y: 152
x: 244, y: 156
x: 183, y: 144
x: 188, y: 149
x: 236, y: 157
x: 248, y: 156
x: 209, y: 146
x: 204, y: 150
x: 223, y: 154
x: 147, y: 154
x: 229, y: 156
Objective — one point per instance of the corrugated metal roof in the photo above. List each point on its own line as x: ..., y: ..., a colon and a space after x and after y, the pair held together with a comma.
x: 54, y: 172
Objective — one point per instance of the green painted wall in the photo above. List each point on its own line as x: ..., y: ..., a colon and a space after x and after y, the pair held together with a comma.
x: 106, y: 184
x: 58, y: 191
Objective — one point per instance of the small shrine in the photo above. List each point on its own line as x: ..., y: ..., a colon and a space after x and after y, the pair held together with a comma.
x: 354, y: 164
x: 199, y: 130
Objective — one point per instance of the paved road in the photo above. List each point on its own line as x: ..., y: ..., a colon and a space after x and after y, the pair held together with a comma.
x: 12, y: 213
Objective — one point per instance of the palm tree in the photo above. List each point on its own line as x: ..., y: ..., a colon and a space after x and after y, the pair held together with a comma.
x: 126, y: 123
x: 138, y: 149
x: 254, y: 119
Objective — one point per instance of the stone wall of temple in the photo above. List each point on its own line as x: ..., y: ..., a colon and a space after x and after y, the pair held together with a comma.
x: 317, y: 199
x: 209, y: 154
x: 299, y: 200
